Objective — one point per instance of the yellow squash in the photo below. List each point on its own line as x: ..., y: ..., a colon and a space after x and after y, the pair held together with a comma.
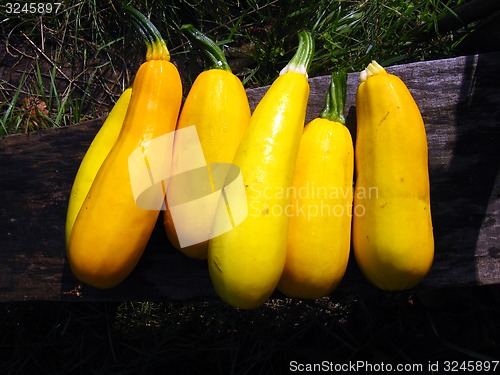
x: 392, y: 227
x: 217, y: 105
x: 319, y: 235
x: 246, y: 263
x: 111, y: 231
x: 94, y: 157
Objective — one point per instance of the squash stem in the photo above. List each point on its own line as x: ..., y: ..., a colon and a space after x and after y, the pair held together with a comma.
x: 335, y: 98
x: 155, y: 44
x: 212, y: 51
x: 372, y: 69
x: 301, y: 61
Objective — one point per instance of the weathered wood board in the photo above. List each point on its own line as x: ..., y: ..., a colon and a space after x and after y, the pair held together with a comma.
x: 459, y: 99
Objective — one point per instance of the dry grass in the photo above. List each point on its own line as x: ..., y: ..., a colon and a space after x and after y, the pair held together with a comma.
x: 78, y: 61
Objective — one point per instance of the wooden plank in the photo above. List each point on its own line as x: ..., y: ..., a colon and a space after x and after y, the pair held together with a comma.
x: 460, y: 103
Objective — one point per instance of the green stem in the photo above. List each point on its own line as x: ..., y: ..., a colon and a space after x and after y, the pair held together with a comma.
x: 335, y: 98
x: 156, y: 46
x: 301, y: 61
x: 212, y: 51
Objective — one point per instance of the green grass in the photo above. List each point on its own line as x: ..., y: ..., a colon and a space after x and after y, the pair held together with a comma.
x: 79, y: 61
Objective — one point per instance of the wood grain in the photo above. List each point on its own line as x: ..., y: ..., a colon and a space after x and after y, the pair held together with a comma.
x: 459, y: 100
